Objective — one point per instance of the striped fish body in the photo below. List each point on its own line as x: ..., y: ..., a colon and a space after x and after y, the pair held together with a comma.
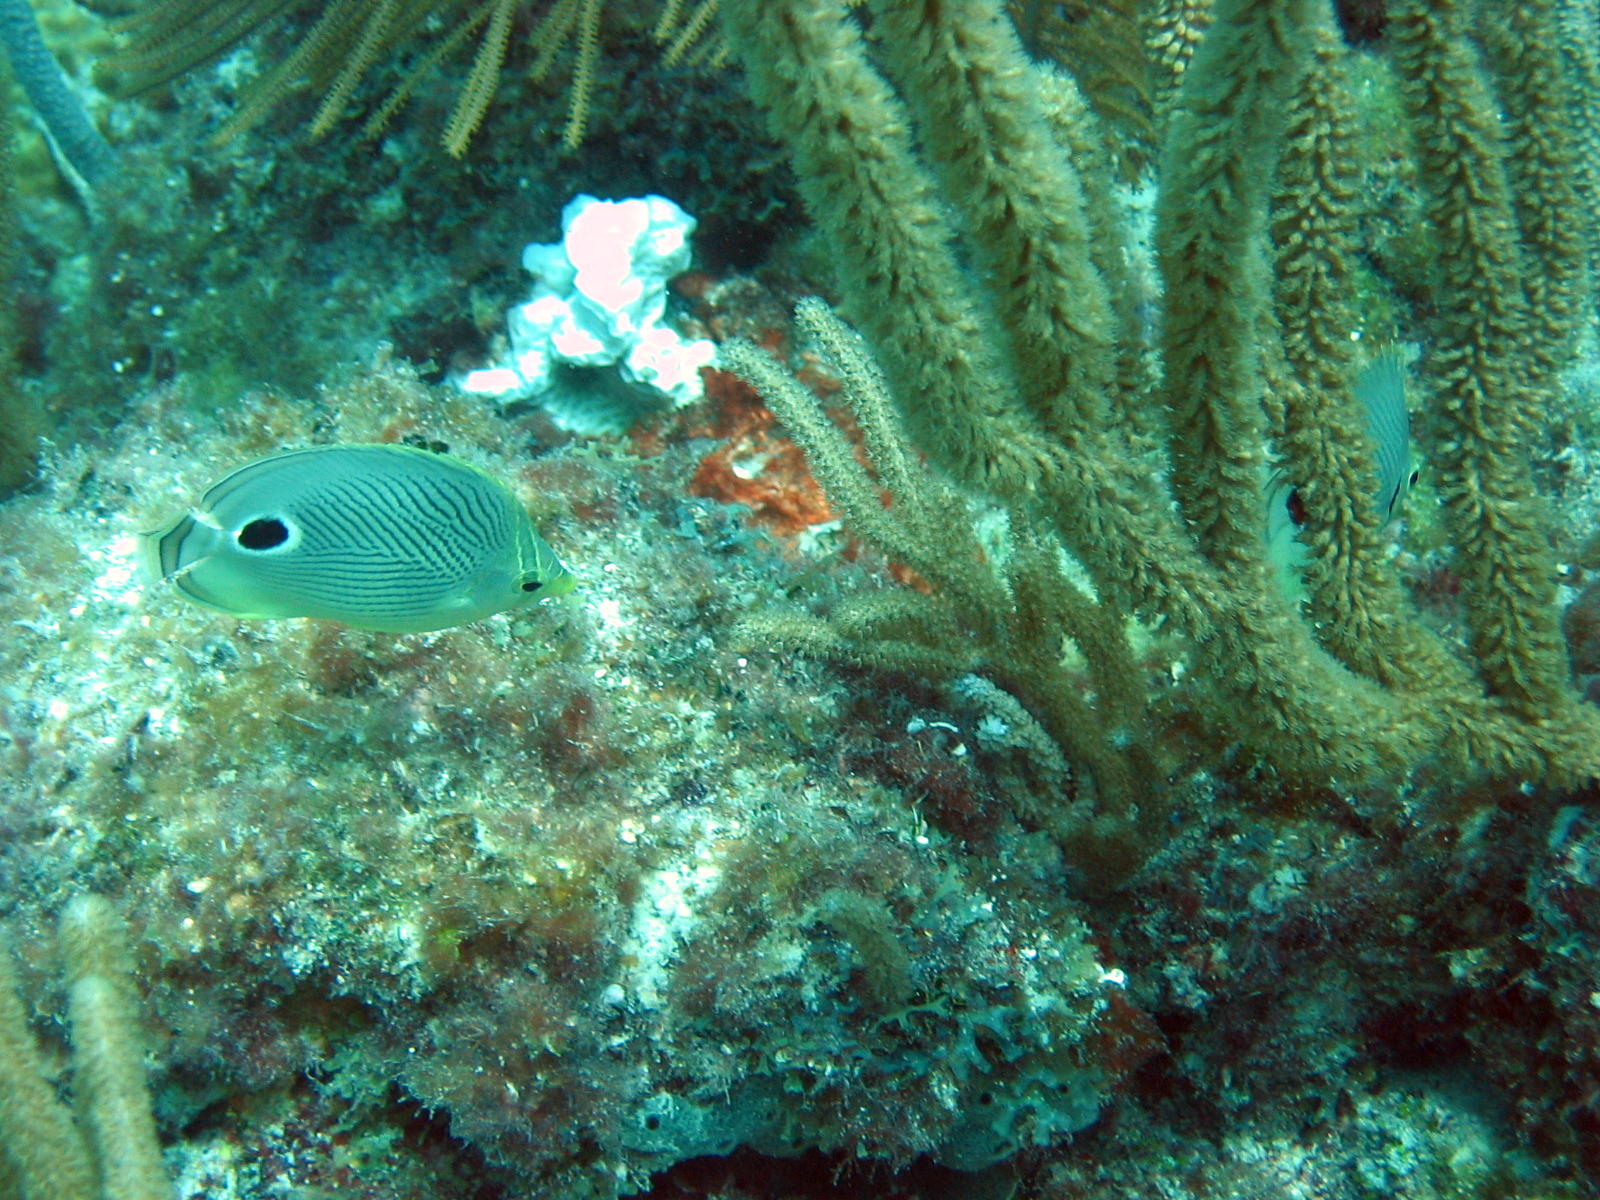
x: 1381, y: 388
x: 380, y: 537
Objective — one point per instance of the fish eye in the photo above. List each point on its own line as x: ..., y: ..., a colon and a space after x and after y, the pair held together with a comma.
x: 264, y: 533
x: 531, y: 585
x: 1415, y: 475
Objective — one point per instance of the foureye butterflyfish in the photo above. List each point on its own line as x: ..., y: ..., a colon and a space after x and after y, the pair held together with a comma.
x: 381, y: 537
x: 1380, y: 388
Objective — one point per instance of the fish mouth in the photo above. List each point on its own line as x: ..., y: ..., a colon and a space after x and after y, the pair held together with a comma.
x: 561, y: 585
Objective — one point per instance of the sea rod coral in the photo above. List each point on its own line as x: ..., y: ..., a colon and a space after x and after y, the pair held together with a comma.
x: 967, y: 192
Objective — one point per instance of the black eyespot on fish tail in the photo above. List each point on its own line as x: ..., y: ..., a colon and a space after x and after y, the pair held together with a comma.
x: 264, y: 533
x: 1297, y: 509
